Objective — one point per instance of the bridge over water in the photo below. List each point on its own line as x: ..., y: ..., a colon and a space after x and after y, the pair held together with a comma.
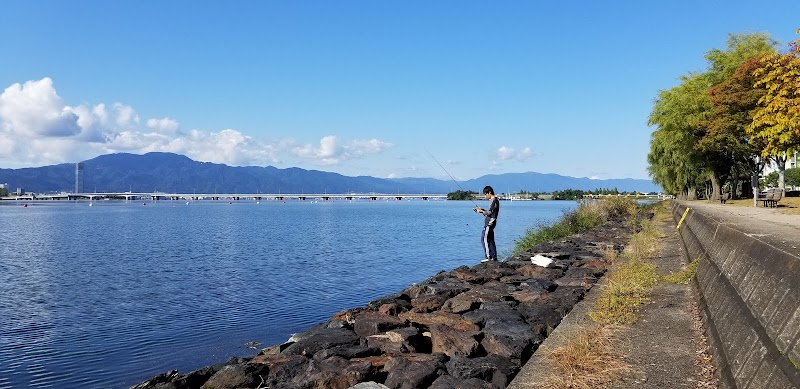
x: 228, y: 196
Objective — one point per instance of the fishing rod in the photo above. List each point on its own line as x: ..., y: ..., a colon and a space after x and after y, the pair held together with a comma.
x: 451, y: 177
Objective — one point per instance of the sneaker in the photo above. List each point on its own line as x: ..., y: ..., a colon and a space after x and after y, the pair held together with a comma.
x: 486, y: 260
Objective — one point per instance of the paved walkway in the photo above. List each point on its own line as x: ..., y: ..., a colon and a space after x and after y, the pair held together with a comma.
x: 666, y: 346
x: 765, y: 224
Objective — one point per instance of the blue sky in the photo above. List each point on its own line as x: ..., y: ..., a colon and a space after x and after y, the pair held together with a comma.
x: 357, y: 87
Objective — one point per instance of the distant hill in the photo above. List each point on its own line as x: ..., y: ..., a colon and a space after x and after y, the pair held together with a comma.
x: 167, y: 172
x: 531, y: 182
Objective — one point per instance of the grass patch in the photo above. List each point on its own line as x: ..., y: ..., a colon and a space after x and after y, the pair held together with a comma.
x: 684, y: 277
x: 627, y: 289
x: 787, y: 205
x: 629, y: 285
x: 610, y: 254
x: 585, y: 362
x: 588, y: 214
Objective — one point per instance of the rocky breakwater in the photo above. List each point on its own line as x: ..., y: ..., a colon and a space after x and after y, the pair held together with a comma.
x: 471, y: 327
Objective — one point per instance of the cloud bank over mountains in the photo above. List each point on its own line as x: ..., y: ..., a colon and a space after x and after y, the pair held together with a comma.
x: 38, y: 128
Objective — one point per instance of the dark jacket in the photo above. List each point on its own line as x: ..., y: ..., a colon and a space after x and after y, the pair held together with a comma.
x: 491, y: 213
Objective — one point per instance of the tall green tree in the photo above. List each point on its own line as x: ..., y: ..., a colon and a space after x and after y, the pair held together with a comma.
x: 674, y: 162
x: 793, y: 176
x: 684, y: 153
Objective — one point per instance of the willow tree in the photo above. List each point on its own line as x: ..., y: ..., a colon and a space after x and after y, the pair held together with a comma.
x: 776, y: 122
x: 678, y: 113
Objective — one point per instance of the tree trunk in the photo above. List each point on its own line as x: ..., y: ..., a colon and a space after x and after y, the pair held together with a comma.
x: 690, y: 193
x: 716, y: 186
x: 781, y: 162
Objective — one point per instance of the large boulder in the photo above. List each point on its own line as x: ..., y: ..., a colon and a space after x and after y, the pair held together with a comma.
x: 449, y: 319
x: 493, y: 312
x: 450, y: 382
x: 410, y: 371
x: 452, y: 342
x: 533, y: 271
x: 334, y: 373
x: 322, y: 338
x: 400, y: 340
x: 428, y: 303
x: 348, y: 351
x: 373, y: 323
x: 491, y: 368
x: 473, y: 299
x: 280, y: 368
x: 369, y: 385
x: 468, y: 275
x: 232, y: 377
x: 508, y: 335
x: 448, y: 288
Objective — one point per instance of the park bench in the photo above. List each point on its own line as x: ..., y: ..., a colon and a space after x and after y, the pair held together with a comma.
x: 771, y: 197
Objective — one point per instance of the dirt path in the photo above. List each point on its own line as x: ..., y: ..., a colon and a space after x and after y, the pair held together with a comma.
x: 666, y: 347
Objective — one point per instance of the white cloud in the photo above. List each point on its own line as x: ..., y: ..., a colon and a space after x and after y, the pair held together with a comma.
x: 126, y: 116
x: 505, y: 153
x: 38, y: 128
x: 331, y: 151
x: 164, y: 125
x: 526, y: 153
x: 35, y: 109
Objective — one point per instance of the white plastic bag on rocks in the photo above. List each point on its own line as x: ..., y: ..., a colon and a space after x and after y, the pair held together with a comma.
x: 541, y: 260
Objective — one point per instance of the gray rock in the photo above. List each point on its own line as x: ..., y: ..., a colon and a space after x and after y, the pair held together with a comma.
x: 400, y: 340
x: 409, y: 371
x: 373, y: 323
x: 333, y: 373
x: 471, y: 300
x: 428, y: 303
x: 347, y: 351
x: 452, y: 342
x: 322, y: 338
x: 491, y: 368
x: 231, y: 377
x: 447, y: 288
x: 369, y: 385
x: 450, y: 382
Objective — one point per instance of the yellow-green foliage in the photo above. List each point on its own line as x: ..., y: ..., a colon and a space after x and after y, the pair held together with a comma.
x: 685, y: 275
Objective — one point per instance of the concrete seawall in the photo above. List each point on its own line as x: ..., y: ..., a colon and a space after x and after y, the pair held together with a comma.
x: 748, y: 287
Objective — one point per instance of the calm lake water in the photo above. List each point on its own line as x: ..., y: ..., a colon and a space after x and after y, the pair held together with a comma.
x: 113, y: 294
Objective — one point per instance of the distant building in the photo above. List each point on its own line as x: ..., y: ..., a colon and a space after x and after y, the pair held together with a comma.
x: 20, y: 191
x: 791, y: 163
x: 79, y: 177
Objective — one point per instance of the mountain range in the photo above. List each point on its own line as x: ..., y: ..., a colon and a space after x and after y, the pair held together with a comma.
x: 174, y: 173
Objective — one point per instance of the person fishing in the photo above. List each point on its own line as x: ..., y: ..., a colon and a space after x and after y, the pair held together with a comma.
x: 489, y: 222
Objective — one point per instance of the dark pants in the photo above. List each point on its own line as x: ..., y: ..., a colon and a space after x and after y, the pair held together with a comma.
x: 487, y: 240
